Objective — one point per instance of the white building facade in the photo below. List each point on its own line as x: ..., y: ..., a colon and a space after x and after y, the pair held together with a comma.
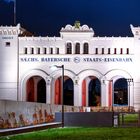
x: 98, y: 71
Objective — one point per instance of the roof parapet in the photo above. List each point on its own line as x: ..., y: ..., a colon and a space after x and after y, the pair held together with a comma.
x: 135, y: 30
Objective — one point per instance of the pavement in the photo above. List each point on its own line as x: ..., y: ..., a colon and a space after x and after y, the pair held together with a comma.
x: 12, y: 131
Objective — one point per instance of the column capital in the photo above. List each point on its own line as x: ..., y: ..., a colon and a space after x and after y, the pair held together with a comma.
x: 104, y: 81
x: 48, y: 79
x: 130, y: 81
x: 76, y: 80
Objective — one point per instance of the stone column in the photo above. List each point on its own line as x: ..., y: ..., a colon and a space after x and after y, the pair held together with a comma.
x: 77, y: 92
x: 48, y: 90
x: 130, y: 92
x: 110, y: 93
x: 104, y: 92
x: 87, y: 90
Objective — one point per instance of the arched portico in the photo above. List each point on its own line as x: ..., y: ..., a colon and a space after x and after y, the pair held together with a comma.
x: 91, y: 91
x: 29, y: 85
x: 68, y: 95
x: 114, y: 79
x: 90, y: 87
x: 120, y: 93
x: 36, y: 89
x: 68, y: 87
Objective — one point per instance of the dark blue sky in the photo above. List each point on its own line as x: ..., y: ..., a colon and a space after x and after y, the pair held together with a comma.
x: 46, y: 17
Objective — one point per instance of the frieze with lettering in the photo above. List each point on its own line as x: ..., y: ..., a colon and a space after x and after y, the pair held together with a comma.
x: 76, y: 59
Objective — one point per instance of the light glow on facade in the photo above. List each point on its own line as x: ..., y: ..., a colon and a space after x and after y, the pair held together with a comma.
x: 93, y: 65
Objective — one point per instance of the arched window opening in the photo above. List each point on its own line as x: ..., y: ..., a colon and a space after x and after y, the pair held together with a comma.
x: 57, y: 50
x: 38, y: 50
x: 69, y: 48
x: 86, y: 48
x: 32, y: 50
x: 102, y: 50
x: 77, y: 48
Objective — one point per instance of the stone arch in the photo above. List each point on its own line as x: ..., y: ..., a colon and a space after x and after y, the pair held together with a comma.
x: 57, y: 74
x: 85, y: 73
x: 114, y: 75
x: 31, y: 73
x: 77, y: 47
x: 85, y: 79
x: 117, y: 72
x: 120, y: 92
x: 68, y: 47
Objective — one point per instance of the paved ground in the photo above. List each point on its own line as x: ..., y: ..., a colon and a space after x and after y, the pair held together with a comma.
x: 11, y: 131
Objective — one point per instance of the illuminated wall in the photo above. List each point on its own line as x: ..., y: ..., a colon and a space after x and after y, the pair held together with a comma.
x: 9, y: 62
x: 82, y: 54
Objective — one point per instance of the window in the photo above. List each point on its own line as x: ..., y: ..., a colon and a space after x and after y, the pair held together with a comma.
x: 108, y: 50
x: 102, y: 50
x: 38, y: 50
x: 69, y: 48
x: 121, y: 50
x: 96, y: 50
x: 7, y: 44
x: 86, y: 48
x: 51, y: 50
x: 115, y: 50
x: 57, y: 50
x: 25, y: 50
x: 32, y: 50
x: 127, y: 50
x: 77, y: 48
x: 45, y: 50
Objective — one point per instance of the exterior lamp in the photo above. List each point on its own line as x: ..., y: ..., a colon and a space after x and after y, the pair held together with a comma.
x: 53, y: 68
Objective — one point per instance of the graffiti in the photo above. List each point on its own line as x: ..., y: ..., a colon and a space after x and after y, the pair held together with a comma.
x: 14, y: 120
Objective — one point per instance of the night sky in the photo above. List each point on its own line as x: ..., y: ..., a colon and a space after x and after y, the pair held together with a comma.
x: 46, y: 17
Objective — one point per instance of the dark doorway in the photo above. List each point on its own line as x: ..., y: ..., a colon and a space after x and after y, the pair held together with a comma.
x: 94, y: 93
x: 68, y: 92
x: 121, y: 92
x: 41, y: 91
